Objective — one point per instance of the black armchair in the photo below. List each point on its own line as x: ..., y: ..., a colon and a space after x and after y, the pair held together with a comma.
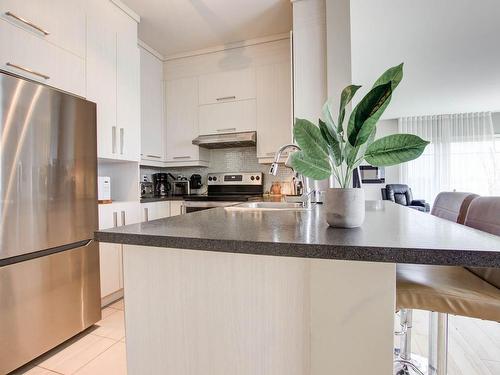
x: 401, y: 194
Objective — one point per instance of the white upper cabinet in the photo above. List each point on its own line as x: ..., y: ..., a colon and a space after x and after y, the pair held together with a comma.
x: 227, y: 86
x: 182, y: 123
x: 152, y: 104
x: 28, y: 55
x: 45, y: 41
x: 236, y: 116
x: 274, y: 108
x: 113, y: 80
x: 128, y: 89
x: 101, y: 75
x: 60, y: 22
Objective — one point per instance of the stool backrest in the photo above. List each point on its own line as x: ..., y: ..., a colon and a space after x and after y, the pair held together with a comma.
x: 484, y: 214
x: 452, y: 206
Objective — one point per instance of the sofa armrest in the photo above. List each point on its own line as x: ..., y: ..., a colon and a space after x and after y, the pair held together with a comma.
x: 421, y: 203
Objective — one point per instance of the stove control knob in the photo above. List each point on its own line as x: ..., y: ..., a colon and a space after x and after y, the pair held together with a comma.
x: 257, y: 178
x: 252, y: 178
x: 210, y: 179
x: 215, y: 178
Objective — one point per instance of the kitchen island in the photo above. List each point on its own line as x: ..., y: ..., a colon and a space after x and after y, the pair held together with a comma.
x: 230, y: 291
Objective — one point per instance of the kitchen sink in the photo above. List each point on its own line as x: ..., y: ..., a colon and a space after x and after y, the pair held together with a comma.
x: 269, y: 206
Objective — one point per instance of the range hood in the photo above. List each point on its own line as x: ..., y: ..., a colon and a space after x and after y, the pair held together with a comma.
x: 227, y: 140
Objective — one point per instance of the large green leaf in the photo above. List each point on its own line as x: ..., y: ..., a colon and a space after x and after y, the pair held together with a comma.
x: 317, y: 169
x: 345, y: 99
x: 309, y: 138
x: 328, y: 116
x: 393, y: 75
x: 395, y: 149
x: 356, y: 154
x: 333, y: 144
x: 366, y: 114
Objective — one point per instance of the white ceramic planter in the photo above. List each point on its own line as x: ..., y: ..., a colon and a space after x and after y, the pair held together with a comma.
x: 345, y: 208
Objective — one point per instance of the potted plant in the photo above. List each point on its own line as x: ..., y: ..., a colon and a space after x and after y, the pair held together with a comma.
x: 333, y: 149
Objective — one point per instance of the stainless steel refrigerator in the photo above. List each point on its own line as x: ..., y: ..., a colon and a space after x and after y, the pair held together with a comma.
x: 49, y: 265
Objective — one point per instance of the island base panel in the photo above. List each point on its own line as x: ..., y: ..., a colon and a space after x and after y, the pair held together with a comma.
x: 190, y: 312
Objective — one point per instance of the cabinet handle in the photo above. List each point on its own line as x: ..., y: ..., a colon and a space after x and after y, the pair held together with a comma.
x: 146, y: 214
x: 122, y: 136
x: 123, y: 218
x: 182, y: 157
x: 226, y: 98
x: 34, y: 72
x: 26, y: 22
x: 183, y: 209
x: 153, y: 156
x: 113, y: 139
x: 226, y: 130
x: 115, y: 219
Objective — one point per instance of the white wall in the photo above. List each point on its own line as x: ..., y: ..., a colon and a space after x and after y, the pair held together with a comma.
x: 449, y: 47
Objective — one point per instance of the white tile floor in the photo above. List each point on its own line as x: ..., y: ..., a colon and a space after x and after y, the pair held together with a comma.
x: 98, y: 351
x: 474, y: 347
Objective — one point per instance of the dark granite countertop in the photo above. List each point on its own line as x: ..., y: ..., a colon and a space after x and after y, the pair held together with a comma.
x: 390, y: 233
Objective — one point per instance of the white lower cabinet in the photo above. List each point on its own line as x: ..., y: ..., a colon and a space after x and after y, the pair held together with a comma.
x: 110, y: 216
x: 177, y: 208
x: 155, y: 210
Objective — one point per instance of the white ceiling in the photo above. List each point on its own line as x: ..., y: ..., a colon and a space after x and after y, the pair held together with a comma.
x: 176, y: 26
x: 449, y: 47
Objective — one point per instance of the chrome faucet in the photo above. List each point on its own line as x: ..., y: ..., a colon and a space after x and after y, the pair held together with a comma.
x: 301, y: 185
x: 274, y: 167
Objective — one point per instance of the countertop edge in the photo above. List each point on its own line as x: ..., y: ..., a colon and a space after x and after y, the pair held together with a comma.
x: 443, y: 257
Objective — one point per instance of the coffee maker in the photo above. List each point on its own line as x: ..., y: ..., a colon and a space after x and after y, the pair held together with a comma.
x: 161, y: 186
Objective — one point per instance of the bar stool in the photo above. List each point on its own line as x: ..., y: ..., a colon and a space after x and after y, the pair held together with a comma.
x: 451, y: 206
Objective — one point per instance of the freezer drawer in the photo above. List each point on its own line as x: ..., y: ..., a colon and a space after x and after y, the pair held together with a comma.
x: 45, y: 301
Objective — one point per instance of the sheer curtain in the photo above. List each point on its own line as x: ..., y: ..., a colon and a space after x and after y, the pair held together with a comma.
x: 460, y: 157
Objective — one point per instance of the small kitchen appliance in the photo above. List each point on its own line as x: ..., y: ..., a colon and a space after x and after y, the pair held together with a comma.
x: 181, y: 186
x: 195, y: 181
x: 104, y: 189
x: 161, y: 186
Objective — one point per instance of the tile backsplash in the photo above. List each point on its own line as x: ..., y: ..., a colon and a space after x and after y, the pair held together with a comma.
x: 242, y: 159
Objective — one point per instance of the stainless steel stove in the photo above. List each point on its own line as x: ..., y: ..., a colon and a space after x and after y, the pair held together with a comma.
x: 226, y: 189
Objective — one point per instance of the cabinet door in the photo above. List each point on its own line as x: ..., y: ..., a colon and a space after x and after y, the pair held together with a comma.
x: 101, y: 75
x: 110, y: 263
x: 229, y: 117
x: 152, y: 124
x: 110, y: 255
x: 274, y: 109
x: 128, y: 89
x: 155, y: 210
x: 227, y: 86
x: 130, y: 213
x: 28, y: 55
x: 182, y: 119
x: 60, y: 22
x: 176, y: 208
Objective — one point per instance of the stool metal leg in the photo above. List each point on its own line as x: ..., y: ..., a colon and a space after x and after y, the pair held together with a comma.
x: 438, y: 343
x: 404, y: 360
x: 406, y: 324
